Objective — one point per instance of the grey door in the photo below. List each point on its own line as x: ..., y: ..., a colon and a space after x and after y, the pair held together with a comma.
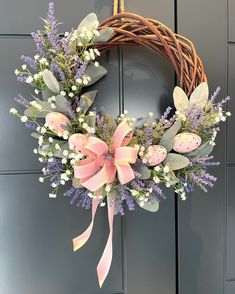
x: 185, y: 248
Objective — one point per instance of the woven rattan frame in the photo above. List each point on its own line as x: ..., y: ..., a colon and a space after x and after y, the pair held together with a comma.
x: 131, y: 29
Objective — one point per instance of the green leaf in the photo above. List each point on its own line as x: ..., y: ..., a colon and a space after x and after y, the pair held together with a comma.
x: 104, y: 36
x: 176, y: 161
x: 86, y: 100
x: 95, y: 73
x: 181, y: 101
x: 34, y: 112
x: 152, y: 206
x: 88, y: 23
x: 50, y: 81
x: 61, y: 104
x: 203, y: 150
x: 173, y: 179
x: 111, y: 122
x: 46, y: 93
x: 35, y: 135
x: 200, y: 95
x: 63, y: 146
x: 167, y: 139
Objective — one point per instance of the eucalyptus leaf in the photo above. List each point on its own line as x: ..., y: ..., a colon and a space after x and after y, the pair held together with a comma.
x: 152, y: 206
x: 50, y: 81
x: 200, y: 95
x: 95, y: 73
x: 86, y: 100
x: 203, y: 150
x: 46, y: 93
x: 176, y: 161
x: 35, y: 135
x: 88, y: 23
x: 61, y: 104
x: 181, y: 101
x: 104, y: 35
x: 167, y: 139
x: 111, y: 122
x: 142, y: 169
x: 34, y: 112
x: 63, y: 146
x: 173, y: 179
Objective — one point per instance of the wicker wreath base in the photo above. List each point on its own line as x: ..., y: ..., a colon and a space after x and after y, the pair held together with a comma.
x: 131, y: 29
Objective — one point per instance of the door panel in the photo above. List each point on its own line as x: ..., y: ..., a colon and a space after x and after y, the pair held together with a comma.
x: 148, y: 82
x: 202, y: 217
x: 231, y: 20
x: 36, y: 245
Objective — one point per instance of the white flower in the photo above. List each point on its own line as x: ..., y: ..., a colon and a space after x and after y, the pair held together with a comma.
x: 156, y: 180
x: 71, y: 94
x: 43, y: 130
x: 166, y: 169
x: 134, y: 192
x: 78, y: 109
x: 108, y: 188
x: 79, y: 81
x: 35, y: 151
x: 90, y: 195
x: 96, y: 64
x: 74, y: 88
x: 36, y: 76
x: 24, y: 118
x: 168, y: 185
x: 62, y: 182
x: 228, y: 113
x: 16, y: 72
x: 72, y: 161
x: 36, y: 91
x: 150, y: 114
x: 43, y: 60
x: 125, y: 111
x: 54, y: 185
x: 57, y: 146
x: 13, y: 111
x: 24, y: 66
x: 102, y: 204
x: 36, y: 57
x: 41, y: 179
x: 50, y: 139
x: 65, y: 153
x: 64, y: 160
x: 217, y: 119
x: 63, y: 93
x: 223, y: 118
x: 53, y: 105
x: 36, y: 105
x: 97, y: 52
x: 51, y: 195
x: 81, y: 119
x: 29, y: 80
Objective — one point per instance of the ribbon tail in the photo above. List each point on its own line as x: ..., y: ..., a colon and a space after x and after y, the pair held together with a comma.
x: 79, y: 241
x: 106, y: 259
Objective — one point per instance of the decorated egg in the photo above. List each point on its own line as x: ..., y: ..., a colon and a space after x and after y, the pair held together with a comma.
x: 186, y: 142
x: 57, y: 121
x: 155, y: 154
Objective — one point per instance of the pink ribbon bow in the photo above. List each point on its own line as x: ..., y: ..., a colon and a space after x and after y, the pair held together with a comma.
x: 103, y: 162
x: 100, y: 167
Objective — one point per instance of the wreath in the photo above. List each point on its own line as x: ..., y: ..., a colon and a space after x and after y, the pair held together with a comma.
x: 116, y: 161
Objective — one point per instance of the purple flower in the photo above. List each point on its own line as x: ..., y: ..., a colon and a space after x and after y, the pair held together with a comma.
x: 21, y: 79
x: 80, y: 68
x: 215, y: 94
x: 58, y: 72
x: 29, y: 61
x: 22, y: 101
x: 79, y: 197
x: 39, y: 42
x: 52, y: 34
x: 164, y: 117
x: 30, y: 125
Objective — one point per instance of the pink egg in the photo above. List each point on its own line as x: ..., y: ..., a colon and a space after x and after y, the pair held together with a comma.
x: 57, y: 121
x: 155, y: 155
x: 186, y: 142
x: 78, y: 141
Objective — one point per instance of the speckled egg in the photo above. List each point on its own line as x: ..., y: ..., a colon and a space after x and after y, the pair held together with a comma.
x: 186, y: 142
x: 57, y: 121
x: 155, y: 155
